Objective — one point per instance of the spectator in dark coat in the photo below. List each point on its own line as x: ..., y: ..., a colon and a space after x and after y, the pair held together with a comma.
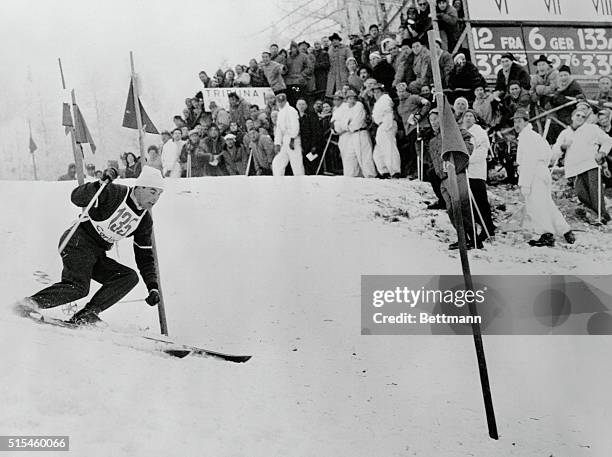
x: 356, y: 44
x: 511, y: 71
x: 447, y: 21
x: 213, y: 145
x: 261, y: 148
x: 298, y: 70
x: 321, y: 68
x: 258, y: 78
x: 464, y: 78
x: 310, y: 135
x: 235, y: 155
x: 133, y: 165
x: 604, y: 95
x: 239, y: 109
x: 516, y: 98
x: 338, y: 73
x: 568, y: 87
x: 423, y: 21
x: 404, y: 72
x: 382, y: 71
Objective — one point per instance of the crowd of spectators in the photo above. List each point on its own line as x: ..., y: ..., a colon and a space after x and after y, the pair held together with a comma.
x: 363, y: 107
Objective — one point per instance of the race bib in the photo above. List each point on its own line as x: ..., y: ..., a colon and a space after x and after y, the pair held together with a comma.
x: 119, y: 225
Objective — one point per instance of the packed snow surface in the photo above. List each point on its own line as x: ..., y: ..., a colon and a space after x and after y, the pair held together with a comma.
x: 271, y: 267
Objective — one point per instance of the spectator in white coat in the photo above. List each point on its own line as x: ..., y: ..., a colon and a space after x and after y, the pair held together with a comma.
x: 533, y: 157
x: 171, y: 152
x: 585, y: 146
x: 386, y: 154
x: 477, y: 174
x: 287, y: 139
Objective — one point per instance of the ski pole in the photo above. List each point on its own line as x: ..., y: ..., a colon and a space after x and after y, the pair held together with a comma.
x: 599, y: 194
x: 82, y: 217
x: 546, y: 128
x: 418, y: 158
x: 248, y: 167
x: 324, y: 153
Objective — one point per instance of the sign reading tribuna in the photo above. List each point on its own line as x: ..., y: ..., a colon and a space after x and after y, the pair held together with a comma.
x: 218, y: 95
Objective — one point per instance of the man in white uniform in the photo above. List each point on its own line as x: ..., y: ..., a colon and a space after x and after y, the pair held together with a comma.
x: 171, y: 152
x: 386, y: 154
x: 287, y: 140
x: 357, y: 146
x: 586, y: 146
x: 533, y: 156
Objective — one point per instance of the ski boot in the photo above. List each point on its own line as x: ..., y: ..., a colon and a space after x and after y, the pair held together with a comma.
x: 546, y: 240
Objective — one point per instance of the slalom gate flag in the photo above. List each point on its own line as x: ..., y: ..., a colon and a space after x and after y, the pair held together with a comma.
x: 129, y: 116
x: 452, y: 139
x: 33, y: 146
x: 81, y: 132
x: 66, y: 117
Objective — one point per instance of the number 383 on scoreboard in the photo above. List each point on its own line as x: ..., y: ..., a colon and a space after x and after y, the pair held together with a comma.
x: 588, y: 51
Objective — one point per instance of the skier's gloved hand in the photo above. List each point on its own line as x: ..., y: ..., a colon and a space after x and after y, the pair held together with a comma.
x: 153, y: 298
x: 110, y: 174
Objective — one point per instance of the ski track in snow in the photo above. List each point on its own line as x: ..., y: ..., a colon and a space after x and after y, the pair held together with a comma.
x: 271, y: 267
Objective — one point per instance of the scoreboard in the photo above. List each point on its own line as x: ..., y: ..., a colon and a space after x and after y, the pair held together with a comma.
x: 586, y: 50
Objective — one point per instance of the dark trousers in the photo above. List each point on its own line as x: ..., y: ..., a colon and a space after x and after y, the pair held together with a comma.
x: 586, y: 189
x: 83, y: 261
x: 464, y: 201
x: 435, y: 181
x: 479, y: 191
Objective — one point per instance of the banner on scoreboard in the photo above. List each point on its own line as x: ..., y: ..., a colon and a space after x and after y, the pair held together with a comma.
x: 253, y: 95
x: 541, y: 10
x: 586, y: 50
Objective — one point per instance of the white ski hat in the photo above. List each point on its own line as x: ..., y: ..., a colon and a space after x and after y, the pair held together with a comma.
x: 150, y: 177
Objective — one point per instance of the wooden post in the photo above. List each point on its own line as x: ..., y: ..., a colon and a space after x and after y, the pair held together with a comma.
x: 137, y: 106
x: 397, y: 13
x: 32, y: 153
x: 468, y: 27
x: 161, y: 309
x: 76, y: 148
x: 456, y: 204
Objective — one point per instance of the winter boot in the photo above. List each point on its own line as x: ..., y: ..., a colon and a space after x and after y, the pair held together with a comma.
x: 85, y: 316
x: 385, y: 176
x: 437, y: 205
x: 396, y: 176
x: 547, y: 239
x: 570, y: 237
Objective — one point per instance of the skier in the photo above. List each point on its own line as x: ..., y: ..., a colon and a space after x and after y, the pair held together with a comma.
x: 119, y: 212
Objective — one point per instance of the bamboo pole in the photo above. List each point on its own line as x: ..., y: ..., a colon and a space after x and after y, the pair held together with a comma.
x: 456, y: 203
x: 161, y: 309
x: 33, y: 153
x: 77, y: 151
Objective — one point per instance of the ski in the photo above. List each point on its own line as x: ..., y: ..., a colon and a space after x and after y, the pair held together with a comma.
x: 165, y: 346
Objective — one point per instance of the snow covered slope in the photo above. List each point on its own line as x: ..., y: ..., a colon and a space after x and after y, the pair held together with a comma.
x: 271, y: 267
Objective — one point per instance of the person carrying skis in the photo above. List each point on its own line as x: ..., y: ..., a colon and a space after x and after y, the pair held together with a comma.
x: 119, y: 212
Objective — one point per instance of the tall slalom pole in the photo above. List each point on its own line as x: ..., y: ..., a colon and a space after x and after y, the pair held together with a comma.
x: 161, y: 309
x: 465, y: 264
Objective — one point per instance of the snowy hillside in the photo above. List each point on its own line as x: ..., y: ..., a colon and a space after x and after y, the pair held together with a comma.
x: 271, y: 267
